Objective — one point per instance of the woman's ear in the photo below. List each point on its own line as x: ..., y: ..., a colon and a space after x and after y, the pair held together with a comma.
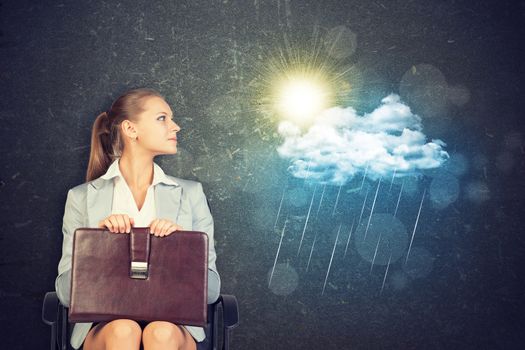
x: 129, y: 129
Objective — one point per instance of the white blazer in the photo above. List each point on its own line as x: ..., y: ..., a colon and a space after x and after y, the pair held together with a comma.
x: 182, y: 202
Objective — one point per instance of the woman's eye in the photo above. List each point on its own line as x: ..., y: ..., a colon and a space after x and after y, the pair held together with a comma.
x: 162, y: 116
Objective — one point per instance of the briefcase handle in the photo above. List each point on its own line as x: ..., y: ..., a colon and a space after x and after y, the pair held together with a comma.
x: 140, y: 242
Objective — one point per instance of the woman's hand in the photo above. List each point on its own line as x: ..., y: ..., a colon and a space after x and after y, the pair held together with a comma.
x: 163, y: 227
x: 117, y: 223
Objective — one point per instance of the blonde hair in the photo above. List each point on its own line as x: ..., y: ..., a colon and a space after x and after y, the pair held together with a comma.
x: 107, y: 142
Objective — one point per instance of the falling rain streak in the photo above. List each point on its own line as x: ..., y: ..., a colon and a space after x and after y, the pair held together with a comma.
x: 375, y: 253
x: 278, y: 249
x: 306, y: 221
x: 357, y: 228
x: 311, y: 251
x: 363, y: 207
x: 386, y: 272
x: 399, y: 197
x: 337, y: 199
x: 364, y: 177
x: 415, y: 226
x: 320, y: 200
x: 392, y: 181
x: 279, y: 211
x: 331, y: 258
x: 372, y: 210
x: 349, y: 235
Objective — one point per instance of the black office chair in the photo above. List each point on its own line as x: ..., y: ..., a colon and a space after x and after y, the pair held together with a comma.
x: 220, y: 324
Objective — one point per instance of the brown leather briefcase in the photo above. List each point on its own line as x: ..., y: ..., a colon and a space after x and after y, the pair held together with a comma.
x: 139, y: 276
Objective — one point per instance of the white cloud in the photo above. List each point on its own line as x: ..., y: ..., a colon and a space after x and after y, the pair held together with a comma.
x: 341, y: 144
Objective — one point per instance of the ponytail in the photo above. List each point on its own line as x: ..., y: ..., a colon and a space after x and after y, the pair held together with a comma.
x: 101, y: 147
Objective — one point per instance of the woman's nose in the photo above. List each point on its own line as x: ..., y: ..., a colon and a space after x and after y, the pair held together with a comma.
x: 175, y: 126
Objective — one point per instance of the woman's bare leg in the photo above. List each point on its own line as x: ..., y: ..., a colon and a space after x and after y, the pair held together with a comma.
x: 163, y: 335
x: 121, y: 334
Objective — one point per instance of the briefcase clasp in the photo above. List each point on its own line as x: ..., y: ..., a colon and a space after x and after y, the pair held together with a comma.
x: 139, y: 270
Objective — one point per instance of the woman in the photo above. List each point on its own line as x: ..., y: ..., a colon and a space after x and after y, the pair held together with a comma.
x: 125, y: 188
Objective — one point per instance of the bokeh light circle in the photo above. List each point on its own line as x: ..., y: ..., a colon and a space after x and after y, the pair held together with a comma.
x: 393, y: 234
x: 398, y: 280
x: 340, y: 42
x: 425, y: 89
x: 457, y: 164
x: 420, y: 263
x: 284, y: 279
x: 458, y: 95
x: 444, y: 190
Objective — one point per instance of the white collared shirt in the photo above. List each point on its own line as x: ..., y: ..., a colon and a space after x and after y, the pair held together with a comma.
x: 123, y: 201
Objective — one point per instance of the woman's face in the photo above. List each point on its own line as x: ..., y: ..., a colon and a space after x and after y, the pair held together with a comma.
x: 156, y: 130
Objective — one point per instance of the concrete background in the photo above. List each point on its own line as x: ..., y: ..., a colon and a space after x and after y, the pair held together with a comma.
x: 64, y: 62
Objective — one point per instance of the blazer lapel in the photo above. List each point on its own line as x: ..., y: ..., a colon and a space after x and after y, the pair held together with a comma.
x: 167, y: 201
x: 100, y: 201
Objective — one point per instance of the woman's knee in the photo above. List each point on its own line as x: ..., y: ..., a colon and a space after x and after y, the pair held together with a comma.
x: 124, y: 329
x: 116, y: 334
x: 163, y: 332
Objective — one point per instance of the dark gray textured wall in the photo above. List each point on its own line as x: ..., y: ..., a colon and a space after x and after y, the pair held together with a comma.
x: 63, y: 62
